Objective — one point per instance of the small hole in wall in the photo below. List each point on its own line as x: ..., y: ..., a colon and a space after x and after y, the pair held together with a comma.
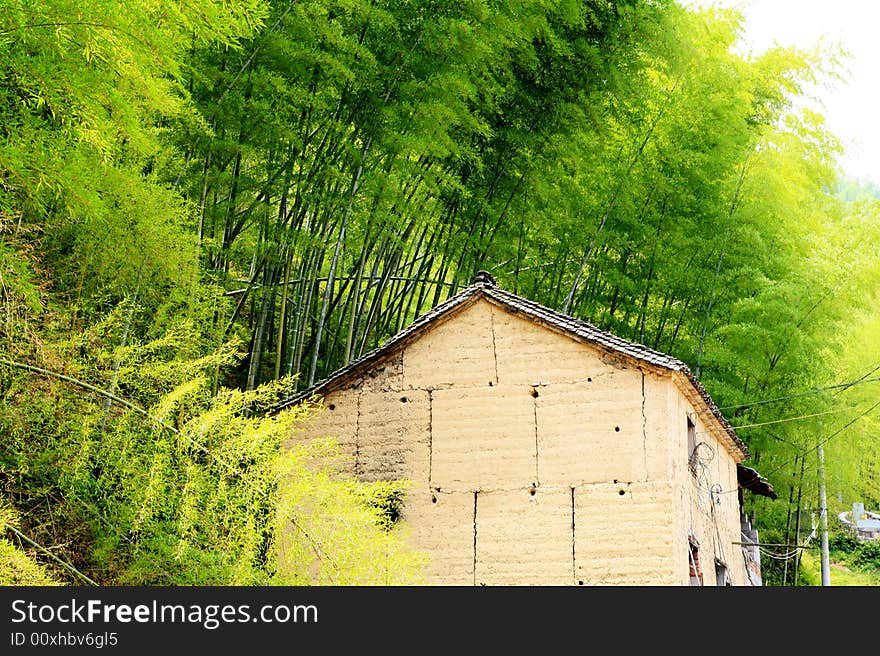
x: 403, y: 399
x: 589, y: 380
x: 580, y: 582
x: 534, y: 393
x: 617, y: 429
x: 490, y: 383
x: 615, y: 480
x: 532, y: 491
x: 621, y: 492
x: 331, y: 407
x: 433, y: 499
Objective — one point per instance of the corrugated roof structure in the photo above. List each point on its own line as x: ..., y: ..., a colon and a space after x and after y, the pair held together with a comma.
x: 483, y: 286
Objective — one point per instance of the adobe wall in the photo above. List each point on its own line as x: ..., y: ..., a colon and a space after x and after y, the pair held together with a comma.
x: 707, y: 505
x: 535, y: 459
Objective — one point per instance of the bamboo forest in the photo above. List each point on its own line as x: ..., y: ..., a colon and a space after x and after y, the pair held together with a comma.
x: 208, y: 206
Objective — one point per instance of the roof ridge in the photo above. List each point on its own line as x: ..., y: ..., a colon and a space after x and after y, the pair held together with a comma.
x: 435, y: 312
x: 484, y: 283
x: 603, y: 336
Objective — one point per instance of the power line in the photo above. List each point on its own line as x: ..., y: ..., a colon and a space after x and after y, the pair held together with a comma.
x: 814, y: 447
x: 839, y: 387
x: 817, y: 390
x: 869, y: 373
x: 848, y: 424
x: 780, y: 421
x: 871, y: 409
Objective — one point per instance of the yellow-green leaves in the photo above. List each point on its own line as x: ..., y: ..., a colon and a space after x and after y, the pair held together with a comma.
x: 334, y: 530
x: 16, y: 566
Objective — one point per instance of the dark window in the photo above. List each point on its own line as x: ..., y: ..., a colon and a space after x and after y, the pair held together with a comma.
x: 722, y: 577
x: 696, y: 574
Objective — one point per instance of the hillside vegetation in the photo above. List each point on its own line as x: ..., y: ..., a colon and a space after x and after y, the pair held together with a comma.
x: 206, y: 206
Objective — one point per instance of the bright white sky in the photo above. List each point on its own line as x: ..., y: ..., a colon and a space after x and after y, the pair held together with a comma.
x: 852, y: 107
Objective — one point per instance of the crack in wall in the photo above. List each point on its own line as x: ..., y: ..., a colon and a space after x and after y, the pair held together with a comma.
x: 494, y: 349
x: 644, y: 425
x: 430, y: 437
x: 573, y: 562
x: 475, y: 537
x: 537, y: 475
x: 357, y: 436
x: 452, y: 489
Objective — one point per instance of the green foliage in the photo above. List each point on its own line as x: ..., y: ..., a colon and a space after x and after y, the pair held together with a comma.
x: 843, y: 572
x: 846, y: 547
x: 86, y: 93
x: 16, y: 566
x: 387, y: 498
x: 868, y: 555
x: 197, y: 489
x: 844, y: 542
x: 203, y: 197
x: 324, y: 517
x: 809, y: 572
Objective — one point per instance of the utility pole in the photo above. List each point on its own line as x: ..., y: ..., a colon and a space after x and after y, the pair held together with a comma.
x: 823, y: 519
x: 797, y: 524
x: 788, y: 526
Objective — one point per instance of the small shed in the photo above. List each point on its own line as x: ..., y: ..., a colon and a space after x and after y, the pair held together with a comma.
x: 544, y: 451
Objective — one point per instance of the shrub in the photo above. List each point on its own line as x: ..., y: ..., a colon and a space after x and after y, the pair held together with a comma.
x: 843, y: 541
x: 868, y: 555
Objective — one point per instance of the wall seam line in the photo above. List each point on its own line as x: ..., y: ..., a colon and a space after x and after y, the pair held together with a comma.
x: 357, y: 435
x: 573, y: 557
x: 430, y: 438
x: 537, y: 474
x: 494, y: 348
x: 475, y: 536
x: 644, y: 427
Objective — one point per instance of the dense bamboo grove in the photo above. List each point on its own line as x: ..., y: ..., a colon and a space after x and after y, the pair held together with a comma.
x: 205, y: 200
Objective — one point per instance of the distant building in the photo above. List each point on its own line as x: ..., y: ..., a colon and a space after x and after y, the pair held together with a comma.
x: 544, y: 451
x: 869, y: 529
x: 866, y: 525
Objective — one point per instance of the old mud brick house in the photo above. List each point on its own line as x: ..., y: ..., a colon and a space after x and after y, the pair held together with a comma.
x: 543, y: 451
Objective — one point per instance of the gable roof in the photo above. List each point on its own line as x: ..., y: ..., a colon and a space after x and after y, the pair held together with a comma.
x: 483, y: 286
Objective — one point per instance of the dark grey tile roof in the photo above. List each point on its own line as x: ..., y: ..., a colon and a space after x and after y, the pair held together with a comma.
x: 484, y: 286
x: 583, y: 329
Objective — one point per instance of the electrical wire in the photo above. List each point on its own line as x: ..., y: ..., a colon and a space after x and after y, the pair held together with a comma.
x: 817, y: 390
x: 842, y: 428
x: 719, y: 543
x: 841, y: 387
x: 786, y: 556
x: 814, y: 447
x: 780, y: 421
x: 793, y: 553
